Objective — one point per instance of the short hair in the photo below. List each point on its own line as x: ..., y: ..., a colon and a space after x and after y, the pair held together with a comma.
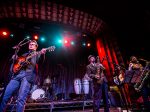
x: 132, y: 57
x: 34, y: 41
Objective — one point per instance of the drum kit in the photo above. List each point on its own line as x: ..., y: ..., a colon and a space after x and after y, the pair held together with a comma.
x: 40, y: 94
x: 81, y: 86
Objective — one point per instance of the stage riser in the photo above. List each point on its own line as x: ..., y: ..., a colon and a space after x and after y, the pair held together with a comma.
x: 58, y: 106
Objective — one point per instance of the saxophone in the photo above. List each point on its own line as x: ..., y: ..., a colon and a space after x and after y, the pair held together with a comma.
x: 144, y: 76
x: 99, y: 71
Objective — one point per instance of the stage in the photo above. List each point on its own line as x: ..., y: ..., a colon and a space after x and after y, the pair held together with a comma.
x: 65, y: 106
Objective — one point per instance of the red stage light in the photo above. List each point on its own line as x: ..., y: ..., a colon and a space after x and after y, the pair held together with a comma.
x: 88, y: 44
x: 66, y: 41
x: 4, y: 33
x: 36, y: 37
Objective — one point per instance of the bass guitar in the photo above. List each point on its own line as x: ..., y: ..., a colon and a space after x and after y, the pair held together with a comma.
x: 24, y: 60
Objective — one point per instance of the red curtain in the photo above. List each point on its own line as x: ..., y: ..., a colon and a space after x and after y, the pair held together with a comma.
x: 109, y: 54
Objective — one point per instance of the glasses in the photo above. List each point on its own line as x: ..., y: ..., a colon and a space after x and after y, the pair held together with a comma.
x: 32, y: 44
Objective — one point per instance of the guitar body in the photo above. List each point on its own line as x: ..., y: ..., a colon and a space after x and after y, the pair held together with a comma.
x: 24, y: 60
x: 19, y: 63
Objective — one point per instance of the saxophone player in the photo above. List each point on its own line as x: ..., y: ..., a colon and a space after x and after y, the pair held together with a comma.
x: 136, y: 68
x: 94, y: 70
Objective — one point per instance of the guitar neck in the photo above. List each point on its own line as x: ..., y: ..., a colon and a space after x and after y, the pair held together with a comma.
x: 34, y: 54
x: 40, y: 52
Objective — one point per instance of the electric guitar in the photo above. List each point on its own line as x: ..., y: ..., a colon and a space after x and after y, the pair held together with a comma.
x: 24, y: 60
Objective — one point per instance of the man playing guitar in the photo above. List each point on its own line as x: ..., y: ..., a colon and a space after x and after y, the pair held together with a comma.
x: 23, y: 79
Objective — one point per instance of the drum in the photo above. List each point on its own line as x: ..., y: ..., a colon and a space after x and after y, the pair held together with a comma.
x: 77, y: 86
x: 85, y: 84
x: 38, y: 94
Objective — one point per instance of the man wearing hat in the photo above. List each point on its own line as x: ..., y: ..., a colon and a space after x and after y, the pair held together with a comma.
x: 94, y: 71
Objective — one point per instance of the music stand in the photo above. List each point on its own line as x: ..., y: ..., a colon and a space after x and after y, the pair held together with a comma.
x: 132, y: 76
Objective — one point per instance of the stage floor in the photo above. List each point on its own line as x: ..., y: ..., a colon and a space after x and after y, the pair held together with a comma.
x: 63, y: 106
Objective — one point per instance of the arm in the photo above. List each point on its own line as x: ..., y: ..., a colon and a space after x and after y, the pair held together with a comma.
x: 14, y: 57
x: 42, y: 52
x: 102, y: 67
x: 134, y: 66
x: 89, y: 73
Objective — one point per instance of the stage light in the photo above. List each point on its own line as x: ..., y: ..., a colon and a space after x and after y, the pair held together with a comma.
x: 84, y: 44
x: 12, y: 35
x: 65, y: 41
x: 72, y: 43
x: 28, y: 37
x: 89, y: 44
x: 42, y: 39
x: 59, y: 41
x: 84, y: 35
x: 36, y: 37
x: 4, y: 33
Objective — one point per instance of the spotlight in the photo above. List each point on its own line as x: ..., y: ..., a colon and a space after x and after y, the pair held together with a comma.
x: 72, y: 43
x: 42, y: 39
x: 59, y: 41
x: 28, y: 37
x: 12, y: 35
x: 66, y: 41
x: 84, y: 44
x: 36, y: 37
x: 88, y: 44
x: 4, y: 33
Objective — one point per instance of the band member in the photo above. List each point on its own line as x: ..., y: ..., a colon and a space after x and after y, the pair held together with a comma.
x: 136, y: 71
x: 22, y: 80
x: 146, y: 87
x: 134, y: 64
x: 119, y: 75
x: 95, y: 72
x: 143, y: 86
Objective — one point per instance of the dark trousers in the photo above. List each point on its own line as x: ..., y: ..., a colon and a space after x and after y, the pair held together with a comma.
x: 100, y: 92
x: 145, y: 94
x: 24, y: 88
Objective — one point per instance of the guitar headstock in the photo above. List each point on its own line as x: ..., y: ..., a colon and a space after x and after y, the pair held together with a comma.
x: 51, y: 48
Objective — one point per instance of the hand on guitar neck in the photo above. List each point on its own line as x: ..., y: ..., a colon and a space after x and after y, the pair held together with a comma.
x: 43, y: 51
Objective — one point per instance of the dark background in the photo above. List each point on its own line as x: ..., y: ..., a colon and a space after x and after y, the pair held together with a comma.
x: 130, y: 21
